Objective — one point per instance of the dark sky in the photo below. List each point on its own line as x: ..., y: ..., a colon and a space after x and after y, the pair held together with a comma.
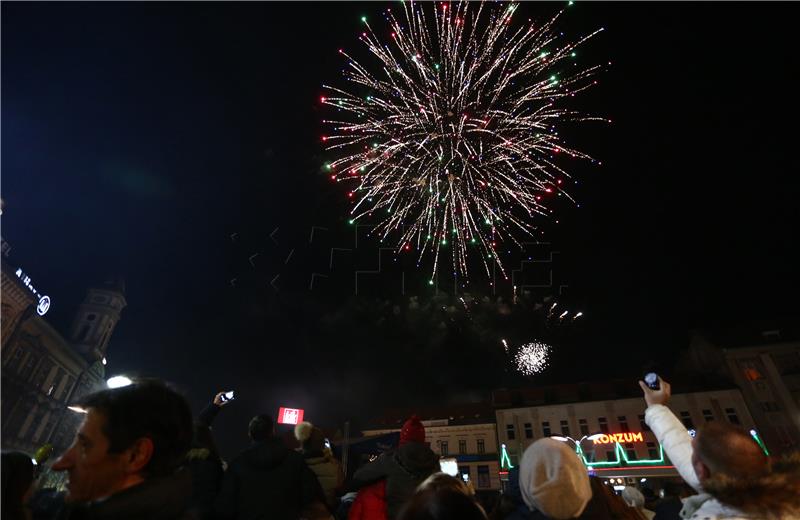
x: 138, y: 137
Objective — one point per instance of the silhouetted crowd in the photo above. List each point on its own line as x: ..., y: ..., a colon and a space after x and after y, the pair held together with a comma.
x: 139, y: 454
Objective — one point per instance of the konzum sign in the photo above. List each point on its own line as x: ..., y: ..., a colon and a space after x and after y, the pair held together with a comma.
x: 619, y: 437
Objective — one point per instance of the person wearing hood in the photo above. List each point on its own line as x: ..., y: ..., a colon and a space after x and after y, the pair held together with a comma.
x: 404, y: 468
x: 553, y: 481
x: 725, y: 465
x: 320, y: 460
x: 267, y: 480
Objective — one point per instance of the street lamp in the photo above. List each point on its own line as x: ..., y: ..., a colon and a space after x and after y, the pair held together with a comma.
x: 566, y: 438
x: 118, y: 382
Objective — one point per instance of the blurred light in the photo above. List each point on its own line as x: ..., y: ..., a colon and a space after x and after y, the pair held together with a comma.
x: 643, y: 480
x: 76, y: 409
x: 118, y: 382
x: 105, y: 361
x: 559, y: 438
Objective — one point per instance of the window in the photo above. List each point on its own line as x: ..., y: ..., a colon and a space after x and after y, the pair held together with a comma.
x: 643, y: 424
x: 30, y: 365
x: 603, y: 424
x: 610, y: 455
x: 732, y: 417
x: 462, y: 446
x: 630, y: 451
x: 481, y: 446
x: 510, y: 433
x: 652, y: 452
x: 583, y: 426
x: 84, y: 333
x: 546, y: 429
x: 708, y: 416
x: 528, y: 430
x: 565, y: 428
x: 686, y: 419
x: 443, y: 448
x: 484, y: 481
x: 623, y: 423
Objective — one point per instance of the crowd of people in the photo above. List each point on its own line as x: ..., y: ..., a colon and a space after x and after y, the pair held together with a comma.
x: 139, y: 454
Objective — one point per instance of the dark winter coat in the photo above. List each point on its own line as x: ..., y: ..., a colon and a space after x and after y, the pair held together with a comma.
x: 404, y: 469
x: 164, y: 498
x: 206, y: 468
x: 267, y: 481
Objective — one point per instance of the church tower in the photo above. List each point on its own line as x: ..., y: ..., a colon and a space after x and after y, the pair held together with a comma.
x: 96, y: 318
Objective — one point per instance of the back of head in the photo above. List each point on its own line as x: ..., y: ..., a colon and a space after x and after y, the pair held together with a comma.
x: 717, y: 441
x: 17, y: 477
x: 311, y: 438
x: 148, y: 408
x: 633, y: 497
x: 553, y: 480
x: 440, y: 481
x: 412, y: 431
x: 441, y: 504
x: 261, y: 428
x: 606, y: 504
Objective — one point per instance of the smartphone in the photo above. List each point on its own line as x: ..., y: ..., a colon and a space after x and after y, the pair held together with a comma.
x: 651, y: 380
x: 227, y: 396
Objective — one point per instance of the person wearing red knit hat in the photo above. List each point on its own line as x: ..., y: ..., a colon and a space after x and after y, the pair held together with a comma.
x: 403, y: 469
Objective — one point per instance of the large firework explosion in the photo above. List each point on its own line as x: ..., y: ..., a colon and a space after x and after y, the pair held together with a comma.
x: 451, y: 138
x: 532, y: 358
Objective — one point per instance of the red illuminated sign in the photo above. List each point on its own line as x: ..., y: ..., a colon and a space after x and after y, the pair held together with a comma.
x: 619, y: 437
x: 290, y: 415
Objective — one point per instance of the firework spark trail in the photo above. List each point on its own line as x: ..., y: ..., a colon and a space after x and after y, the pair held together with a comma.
x: 532, y: 358
x: 453, y: 137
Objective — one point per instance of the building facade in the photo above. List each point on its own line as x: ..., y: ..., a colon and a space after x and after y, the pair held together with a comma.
x: 464, y: 436
x: 625, y: 448
x: 765, y: 365
x: 43, y: 371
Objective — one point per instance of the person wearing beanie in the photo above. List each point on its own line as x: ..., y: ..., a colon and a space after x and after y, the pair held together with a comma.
x: 320, y: 460
x: 404, y: 468
x: 553, y: 480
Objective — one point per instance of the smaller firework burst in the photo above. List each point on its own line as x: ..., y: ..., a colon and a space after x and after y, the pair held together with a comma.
x: 532, y: 358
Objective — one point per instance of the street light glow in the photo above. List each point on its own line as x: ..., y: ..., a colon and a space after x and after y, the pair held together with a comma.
x: 118, y: 382
x: 76, y: 409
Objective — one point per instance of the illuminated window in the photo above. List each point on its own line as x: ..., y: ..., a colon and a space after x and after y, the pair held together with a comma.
x: 603, y: 424
x: 565, y: 428
x: 623, y: 423
x: 708, y: 416
x: 510, y: 433
x: 528, y: 430
x: 583, y: 426
x: 732, y: 417
x: 546, y: 429
x: 443, y: 448
x: 686, y: 419
x: 481, y: 446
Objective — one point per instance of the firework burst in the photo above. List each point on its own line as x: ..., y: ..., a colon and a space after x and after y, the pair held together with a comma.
x: 451, y: 139
x: 532, y: 358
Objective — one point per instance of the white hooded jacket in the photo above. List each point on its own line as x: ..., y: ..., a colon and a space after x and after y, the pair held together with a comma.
x: 677, y: 443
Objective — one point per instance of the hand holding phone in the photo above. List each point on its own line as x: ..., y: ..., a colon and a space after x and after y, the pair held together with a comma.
x: 223, y: 397
x: 651, y: 380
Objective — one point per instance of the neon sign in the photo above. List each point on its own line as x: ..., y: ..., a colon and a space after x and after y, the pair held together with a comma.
x: 618, y: 437
x: 44, y: 300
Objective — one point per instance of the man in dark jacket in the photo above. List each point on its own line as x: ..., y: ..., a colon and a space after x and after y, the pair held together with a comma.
x: 267, y: 480
x: 123, y: 462
x: 404, y: 469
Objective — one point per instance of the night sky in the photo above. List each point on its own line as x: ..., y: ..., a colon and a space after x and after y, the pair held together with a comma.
x: 137, y: 138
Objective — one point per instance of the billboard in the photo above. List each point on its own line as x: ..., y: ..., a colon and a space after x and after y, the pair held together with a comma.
x: 290, y: 415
